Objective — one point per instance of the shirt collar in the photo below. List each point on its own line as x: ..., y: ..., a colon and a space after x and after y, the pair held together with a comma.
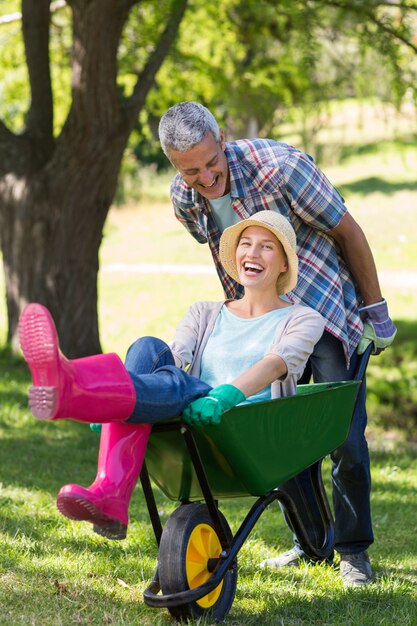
x: 237, y: 181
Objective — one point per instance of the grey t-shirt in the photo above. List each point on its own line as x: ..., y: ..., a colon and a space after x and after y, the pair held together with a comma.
x: 223, y: 213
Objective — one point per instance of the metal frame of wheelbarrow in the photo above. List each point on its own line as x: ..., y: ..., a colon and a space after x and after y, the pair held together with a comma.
x: 230, y: 549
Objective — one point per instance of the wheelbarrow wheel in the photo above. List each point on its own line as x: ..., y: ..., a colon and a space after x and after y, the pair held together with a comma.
x: 188, y: 541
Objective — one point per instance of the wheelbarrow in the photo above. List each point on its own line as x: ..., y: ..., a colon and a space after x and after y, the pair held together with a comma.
x: 256, y: 448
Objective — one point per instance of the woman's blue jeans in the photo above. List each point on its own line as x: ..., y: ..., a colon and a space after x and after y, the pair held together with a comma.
x: 351, y: 475
x: 162, y: 389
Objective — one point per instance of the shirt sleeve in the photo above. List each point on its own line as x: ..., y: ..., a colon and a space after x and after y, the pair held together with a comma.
x: 310, y: 194
x: 186, y: 336
x: 186, y: 212
x: 295, y: 342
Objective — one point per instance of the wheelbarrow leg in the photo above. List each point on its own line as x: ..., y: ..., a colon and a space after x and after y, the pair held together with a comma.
x: 151, y: 503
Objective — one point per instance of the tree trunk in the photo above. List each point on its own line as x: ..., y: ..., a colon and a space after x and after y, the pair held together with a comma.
x: 55, y: 193
x: 51, y: 236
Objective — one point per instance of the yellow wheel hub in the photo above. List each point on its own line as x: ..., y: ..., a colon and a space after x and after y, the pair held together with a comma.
x: 203, y: 545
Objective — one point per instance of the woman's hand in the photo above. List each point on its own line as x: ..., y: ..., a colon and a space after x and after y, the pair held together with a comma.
x: 209, y: 410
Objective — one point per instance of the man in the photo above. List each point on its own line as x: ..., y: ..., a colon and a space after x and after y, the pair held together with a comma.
x: 220, y: 183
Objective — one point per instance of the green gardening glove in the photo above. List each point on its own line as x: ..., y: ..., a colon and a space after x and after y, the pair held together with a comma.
x: 209, y: 410
x: 96, y: 428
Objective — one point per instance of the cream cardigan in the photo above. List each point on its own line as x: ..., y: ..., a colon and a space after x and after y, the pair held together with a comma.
x: 294, y: 340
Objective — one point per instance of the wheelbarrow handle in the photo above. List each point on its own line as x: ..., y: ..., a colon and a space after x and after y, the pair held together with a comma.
x: 362, y: 363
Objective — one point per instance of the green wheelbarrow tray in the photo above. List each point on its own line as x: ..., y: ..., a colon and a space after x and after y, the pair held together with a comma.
x: 257, y: 446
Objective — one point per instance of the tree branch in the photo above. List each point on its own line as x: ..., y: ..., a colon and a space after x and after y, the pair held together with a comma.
x: 11, y: 149
x: 16, y: 17
x: 97, y: 26
x: 397, y: 5
x: 146, y: 78
x: 360, y: 7
x: 6, y: 135
x: 35, y: 25
x: 392, y: 32
x: 8, y: 144
x: 366, y: 10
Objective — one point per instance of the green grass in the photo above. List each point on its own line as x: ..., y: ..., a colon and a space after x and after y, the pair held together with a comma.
x: 56, y: 572
x: 53, y: 571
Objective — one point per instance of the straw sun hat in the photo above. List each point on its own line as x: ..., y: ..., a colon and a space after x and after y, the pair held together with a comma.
x: 283, y: 231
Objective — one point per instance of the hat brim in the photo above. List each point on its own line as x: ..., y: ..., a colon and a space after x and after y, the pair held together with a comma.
x: 229, y: 242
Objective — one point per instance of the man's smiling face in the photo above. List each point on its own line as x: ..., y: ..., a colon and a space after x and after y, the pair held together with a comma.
x: 204, y: 167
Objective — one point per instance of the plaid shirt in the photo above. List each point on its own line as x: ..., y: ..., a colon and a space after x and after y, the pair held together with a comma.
x: 266, y: 174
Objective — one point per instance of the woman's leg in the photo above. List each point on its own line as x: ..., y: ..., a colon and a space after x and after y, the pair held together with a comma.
x: 105, y: 503
x: 162, y: 389
x: 123, y: 445
x: 92, y: 389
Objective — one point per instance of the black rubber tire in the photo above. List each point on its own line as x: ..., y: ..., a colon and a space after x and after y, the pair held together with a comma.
x: 172, y: 563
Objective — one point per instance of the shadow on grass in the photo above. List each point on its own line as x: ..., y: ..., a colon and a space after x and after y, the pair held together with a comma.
x: 49, y: 457
x: 375, y: 147
x: 355, y: 606
x: 374, y: 184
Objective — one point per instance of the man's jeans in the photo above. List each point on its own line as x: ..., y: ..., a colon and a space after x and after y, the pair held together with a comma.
x: 162, y: 389
x: 350, y: 464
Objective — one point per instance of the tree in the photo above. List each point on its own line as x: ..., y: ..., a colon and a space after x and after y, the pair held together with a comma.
x: 250, y: 61
x: 56, y: 188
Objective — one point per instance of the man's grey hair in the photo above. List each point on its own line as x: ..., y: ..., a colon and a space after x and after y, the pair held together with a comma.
x: 185, y: 125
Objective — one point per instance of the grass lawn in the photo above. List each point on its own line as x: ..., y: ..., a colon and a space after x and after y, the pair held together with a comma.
x: 57, y: 572
x: 53, y: 571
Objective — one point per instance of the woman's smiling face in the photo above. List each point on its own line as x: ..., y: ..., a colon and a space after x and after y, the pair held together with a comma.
x: 260, y: 258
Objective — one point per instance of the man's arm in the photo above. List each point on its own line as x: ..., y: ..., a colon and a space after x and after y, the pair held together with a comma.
x: 378, y: 326
x: 358, y: 257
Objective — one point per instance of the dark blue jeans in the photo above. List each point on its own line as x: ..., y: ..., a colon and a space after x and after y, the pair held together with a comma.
x: 351, y: 475
x: 162, y: 389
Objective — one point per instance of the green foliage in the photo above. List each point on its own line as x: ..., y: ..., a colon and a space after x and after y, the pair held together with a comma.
x: 14, y: 85
x: 14, y: 89
x: 257, y: 64
x: 392, y: 389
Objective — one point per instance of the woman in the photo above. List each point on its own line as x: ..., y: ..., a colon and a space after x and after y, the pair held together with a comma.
x: 236, y: 351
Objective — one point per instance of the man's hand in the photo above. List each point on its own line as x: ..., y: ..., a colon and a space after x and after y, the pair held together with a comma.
x: 378, y: 328
x: 209, y: 410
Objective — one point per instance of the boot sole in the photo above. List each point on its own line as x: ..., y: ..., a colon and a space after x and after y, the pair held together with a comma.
x: 83, y: 510
x: 39, y: 343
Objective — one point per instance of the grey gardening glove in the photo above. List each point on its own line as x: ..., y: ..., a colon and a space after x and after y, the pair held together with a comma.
x: 378, y: 327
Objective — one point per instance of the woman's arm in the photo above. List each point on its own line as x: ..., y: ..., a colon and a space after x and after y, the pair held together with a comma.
x: 186, y: 335
x: 293, y: 344
x: 260, y: 375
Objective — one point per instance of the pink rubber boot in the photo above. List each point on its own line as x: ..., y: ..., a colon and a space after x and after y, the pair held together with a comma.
x: 94, y: 389
x: 106, y: 502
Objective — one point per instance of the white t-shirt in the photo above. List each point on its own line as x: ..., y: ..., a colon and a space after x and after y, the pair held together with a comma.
x: 222, y: 362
